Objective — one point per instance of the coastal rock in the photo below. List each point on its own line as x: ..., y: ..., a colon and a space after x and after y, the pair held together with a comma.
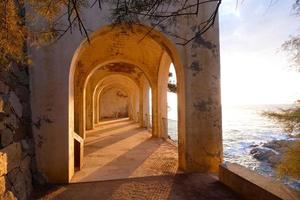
x: 275, y: 159
x: 280, y: 146
x: 262, y: 154
x: 254, y: 145
x: 272, y: 151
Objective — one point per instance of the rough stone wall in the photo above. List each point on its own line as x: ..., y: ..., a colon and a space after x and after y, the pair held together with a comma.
x: 16, y: 144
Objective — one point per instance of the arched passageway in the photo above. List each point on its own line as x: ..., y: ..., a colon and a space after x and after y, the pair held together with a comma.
x: 142, y: 57
x: 171, y: 122
x: 101, y: 82
x: 66, y: 85
x: 115, y: 84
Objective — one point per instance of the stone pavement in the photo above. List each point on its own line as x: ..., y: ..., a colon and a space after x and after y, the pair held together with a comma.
x: 124, y: 150
x: 123, y: 162
x: 171, y: 187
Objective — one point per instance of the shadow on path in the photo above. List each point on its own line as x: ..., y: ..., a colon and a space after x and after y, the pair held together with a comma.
x: 176, y: 187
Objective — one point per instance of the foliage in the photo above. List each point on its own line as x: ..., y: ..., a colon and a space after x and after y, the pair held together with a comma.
x: 291, y: 161
x: 57, y: 17
x: 292, y: 47
x: 15, y: 26
x: 296, y: 7
x: 290, y: 121
x: 288, y: 118
x: 12, y: 32
x: 172, y: 87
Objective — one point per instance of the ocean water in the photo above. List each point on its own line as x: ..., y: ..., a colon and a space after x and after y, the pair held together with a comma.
x: 244, y: 127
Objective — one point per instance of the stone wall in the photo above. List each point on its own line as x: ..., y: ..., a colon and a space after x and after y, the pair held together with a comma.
x: 16, y: 144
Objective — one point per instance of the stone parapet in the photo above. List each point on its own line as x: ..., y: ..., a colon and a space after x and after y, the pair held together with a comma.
x: 252, y: 185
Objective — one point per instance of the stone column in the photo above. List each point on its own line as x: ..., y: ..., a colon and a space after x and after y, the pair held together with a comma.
x: 155, y: 121
x: 89, y: 107
x: 141, y: 106
x: 203, y: 139
x: 145, y: 98
x: 163, y: 77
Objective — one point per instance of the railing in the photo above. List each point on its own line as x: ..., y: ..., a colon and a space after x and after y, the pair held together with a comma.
x: 170, y: 127
x: 78, y: 151
x: 148, y: 119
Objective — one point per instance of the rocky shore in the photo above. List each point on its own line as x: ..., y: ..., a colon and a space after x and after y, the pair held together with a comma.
x: 271, y: 152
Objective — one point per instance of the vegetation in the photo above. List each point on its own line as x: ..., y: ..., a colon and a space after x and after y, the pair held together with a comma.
x: 57, y: 17
x: 172, y: 87
x: 291, y: 162
x: 290, y: 118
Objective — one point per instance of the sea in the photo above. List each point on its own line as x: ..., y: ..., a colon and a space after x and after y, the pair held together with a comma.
x: 243, y: 128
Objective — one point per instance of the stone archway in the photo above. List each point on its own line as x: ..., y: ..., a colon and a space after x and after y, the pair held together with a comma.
x: 99, y: 80
x: 153, y: 54
x: 60, y: 77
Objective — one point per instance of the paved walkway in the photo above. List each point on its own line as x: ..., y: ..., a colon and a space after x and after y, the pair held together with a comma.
x: 123, y: 162
x: 121, y: 149
x: 171, y: 187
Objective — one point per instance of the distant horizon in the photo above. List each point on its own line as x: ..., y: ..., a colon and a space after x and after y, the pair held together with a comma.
x: 259, y: 104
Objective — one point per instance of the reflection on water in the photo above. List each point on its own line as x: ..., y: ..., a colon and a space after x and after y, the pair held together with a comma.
x: 244, y: 127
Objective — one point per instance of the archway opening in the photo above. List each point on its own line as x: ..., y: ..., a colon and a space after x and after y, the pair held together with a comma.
x: 149, y: 120
x: 172, y: 104
x: 122, y: 81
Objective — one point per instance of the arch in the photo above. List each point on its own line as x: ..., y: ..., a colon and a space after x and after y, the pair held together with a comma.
x: 117, y: 80
x: 81, y: 105
x: 102, y: 81
x: 115, y: 102
x: 84, y: 64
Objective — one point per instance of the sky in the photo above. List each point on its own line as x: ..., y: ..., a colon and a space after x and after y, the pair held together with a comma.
x: 254, y: 70
x: 172, y: 97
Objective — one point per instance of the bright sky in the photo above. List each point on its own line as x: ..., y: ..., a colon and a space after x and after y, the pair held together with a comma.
x: 172, y: 97
x: 254, y: 70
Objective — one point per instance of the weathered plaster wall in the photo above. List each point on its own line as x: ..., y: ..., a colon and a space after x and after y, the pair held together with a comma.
x: 196, y: 64
x: 203, y: 141
x: 114, y: 103
x: 17, y: 157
